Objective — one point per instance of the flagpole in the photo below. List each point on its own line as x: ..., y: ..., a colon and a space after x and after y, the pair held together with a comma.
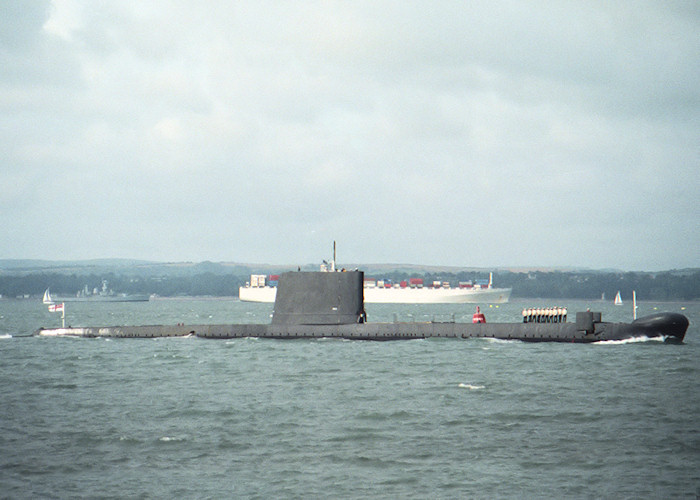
x: 62, y: 308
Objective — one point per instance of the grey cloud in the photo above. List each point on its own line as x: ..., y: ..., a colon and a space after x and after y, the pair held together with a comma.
x: 436, y: 133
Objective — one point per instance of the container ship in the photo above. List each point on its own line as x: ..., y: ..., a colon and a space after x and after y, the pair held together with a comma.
x: 263, y: 288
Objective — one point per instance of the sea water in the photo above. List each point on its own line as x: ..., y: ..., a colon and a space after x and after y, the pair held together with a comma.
x: 256, y: 418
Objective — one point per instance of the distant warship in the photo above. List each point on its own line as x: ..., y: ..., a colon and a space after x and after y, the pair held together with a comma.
x: 104, y: 295
x: 331, y: 304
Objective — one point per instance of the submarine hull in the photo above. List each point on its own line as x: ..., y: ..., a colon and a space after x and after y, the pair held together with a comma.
x: 670, y: 326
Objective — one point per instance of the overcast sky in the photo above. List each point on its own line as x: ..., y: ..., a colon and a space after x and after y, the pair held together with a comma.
x: 495, y: 133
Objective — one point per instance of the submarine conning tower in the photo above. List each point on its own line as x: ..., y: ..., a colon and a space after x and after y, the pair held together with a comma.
x: 319, y: 298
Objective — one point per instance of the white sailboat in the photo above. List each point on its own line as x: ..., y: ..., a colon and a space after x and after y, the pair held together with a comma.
x: 47, y: 297
x: 618, y: 299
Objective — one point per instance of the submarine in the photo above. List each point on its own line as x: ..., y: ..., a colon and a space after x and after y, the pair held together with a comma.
x: 320, y: 304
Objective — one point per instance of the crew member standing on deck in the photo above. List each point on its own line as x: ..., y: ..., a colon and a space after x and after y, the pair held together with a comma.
x: 478, y: 316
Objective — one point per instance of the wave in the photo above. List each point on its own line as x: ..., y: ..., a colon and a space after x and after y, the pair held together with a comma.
x: 500, y: 341
x: 167, y: 439
x: 633, y: 340
x: 234, y: 341
x: 471, y: 387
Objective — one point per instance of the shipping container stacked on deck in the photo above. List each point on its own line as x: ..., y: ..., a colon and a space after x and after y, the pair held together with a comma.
x: 416, y: 283
x: 257, y: 280
x: 411, y: 283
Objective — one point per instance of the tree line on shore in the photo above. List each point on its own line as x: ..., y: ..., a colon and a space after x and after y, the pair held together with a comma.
x: 661, y: 286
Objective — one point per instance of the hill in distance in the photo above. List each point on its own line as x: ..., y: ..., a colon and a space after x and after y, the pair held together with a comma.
x: 145, y: 267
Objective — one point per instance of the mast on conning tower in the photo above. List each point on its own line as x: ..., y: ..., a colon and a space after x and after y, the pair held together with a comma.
x: 333, y: 261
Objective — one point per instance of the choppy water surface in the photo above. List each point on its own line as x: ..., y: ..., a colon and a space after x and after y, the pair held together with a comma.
x: 195, y: 418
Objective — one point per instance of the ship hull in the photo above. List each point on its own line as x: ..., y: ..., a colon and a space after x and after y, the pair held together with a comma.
x: 257, y: 294
x: 436, y: 295
x: 402, y: 295
x: 108, y: 298
x: 668, y: 326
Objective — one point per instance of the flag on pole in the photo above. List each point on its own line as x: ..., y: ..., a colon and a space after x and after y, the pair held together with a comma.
x: 56, y: 307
